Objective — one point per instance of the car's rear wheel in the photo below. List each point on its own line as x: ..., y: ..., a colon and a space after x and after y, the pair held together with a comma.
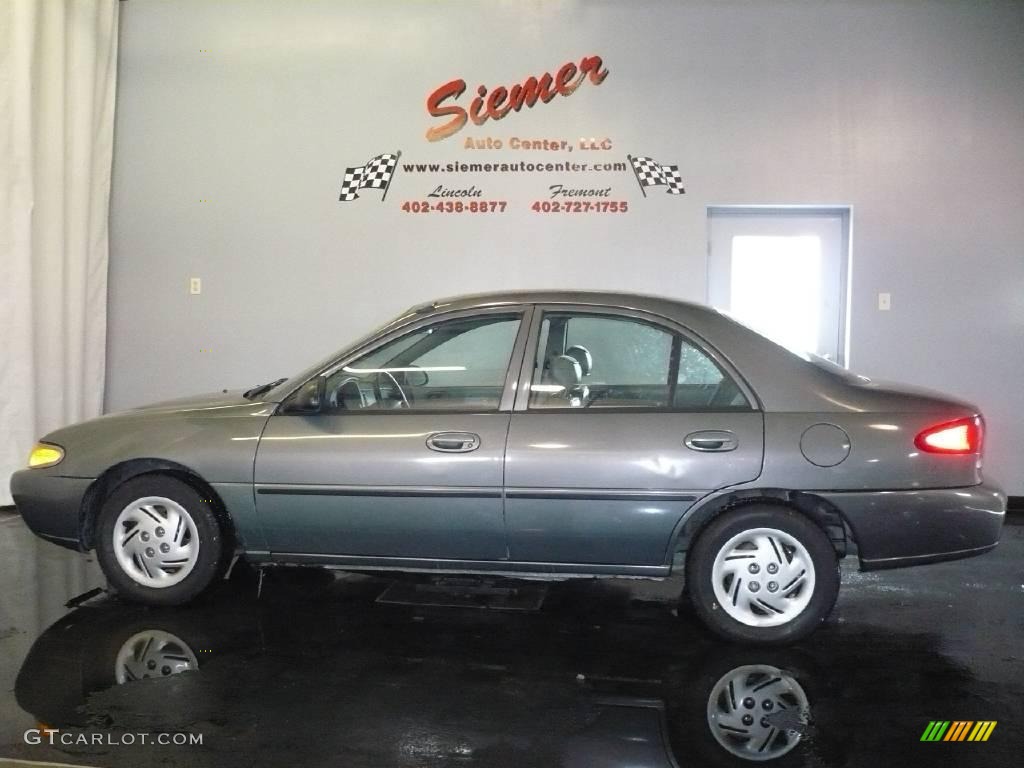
x: 159, y: 541
x: 762, y: 573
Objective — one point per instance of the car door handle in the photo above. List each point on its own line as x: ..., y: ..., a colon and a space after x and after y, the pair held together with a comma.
x: 708, y: 440
x: 453, y: 442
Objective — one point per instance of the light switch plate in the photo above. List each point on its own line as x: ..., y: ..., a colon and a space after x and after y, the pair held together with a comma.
x: 884, y: 302
x: 195, y: 286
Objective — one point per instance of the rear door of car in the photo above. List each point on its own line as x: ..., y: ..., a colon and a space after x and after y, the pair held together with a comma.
x: 602, y: 464
x: 406, y: 456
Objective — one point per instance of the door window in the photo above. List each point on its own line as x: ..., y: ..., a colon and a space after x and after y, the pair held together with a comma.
x: 451, y: 365
x: 608, y: 361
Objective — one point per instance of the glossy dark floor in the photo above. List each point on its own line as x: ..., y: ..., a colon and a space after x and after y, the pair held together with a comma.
x: 316, y: 671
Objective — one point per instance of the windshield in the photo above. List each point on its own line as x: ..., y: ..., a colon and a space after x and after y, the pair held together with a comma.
x: 284, y: 387
x: 252, y: 394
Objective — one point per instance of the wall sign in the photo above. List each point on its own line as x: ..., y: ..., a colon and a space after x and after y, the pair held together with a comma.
x: 496, y: 104
x: 652, y: 174
x: 565, y: 185
x: 376, y: 174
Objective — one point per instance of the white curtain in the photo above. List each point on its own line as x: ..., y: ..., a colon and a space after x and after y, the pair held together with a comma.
x: 57, y: 77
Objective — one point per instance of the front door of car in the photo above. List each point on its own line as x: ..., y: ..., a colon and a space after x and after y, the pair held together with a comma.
x: 405, y: 457
x: 621, y: 422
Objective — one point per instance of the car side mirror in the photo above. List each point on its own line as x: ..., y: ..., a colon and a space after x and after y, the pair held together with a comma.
x: 307, y: 398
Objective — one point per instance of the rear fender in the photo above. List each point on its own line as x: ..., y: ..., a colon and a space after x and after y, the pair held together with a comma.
x: 825, y: 514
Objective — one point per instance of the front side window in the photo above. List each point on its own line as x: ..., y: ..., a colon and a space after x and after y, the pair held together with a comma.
x: 451, y: 365
x: 609, y: 361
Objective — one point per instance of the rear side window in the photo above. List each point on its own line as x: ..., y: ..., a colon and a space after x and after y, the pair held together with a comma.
x: 608, y: 361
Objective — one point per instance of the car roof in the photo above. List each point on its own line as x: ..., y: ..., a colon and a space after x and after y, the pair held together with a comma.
x: 750, y: 354
x: 782, y: 381
x: 620, y: 299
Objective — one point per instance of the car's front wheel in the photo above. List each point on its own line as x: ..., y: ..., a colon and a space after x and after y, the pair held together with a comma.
x: 159, y: 542
x: 762, y: 573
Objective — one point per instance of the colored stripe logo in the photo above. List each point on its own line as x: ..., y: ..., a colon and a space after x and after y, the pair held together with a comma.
x: 958, y: 730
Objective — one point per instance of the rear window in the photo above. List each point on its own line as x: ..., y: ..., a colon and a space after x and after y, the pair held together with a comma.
x: 810, y: 358
x: 833, y: 368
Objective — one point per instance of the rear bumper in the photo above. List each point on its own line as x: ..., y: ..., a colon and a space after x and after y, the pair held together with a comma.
x: 50, y: 504
x: 894, y: 529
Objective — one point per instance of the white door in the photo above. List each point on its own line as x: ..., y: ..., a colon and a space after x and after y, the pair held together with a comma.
x: 782, y: 271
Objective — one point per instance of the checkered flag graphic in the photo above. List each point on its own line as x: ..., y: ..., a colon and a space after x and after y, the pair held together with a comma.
x: 652, y: 174
x: 376, y: 174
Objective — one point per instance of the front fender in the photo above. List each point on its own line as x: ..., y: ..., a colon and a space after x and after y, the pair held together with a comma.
x: 218, y: 443
x: 215, y: 446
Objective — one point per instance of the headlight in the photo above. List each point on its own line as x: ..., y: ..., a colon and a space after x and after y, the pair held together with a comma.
x: 45, y: 455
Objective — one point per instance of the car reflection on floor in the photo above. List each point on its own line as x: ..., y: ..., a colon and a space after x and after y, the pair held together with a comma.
x: 407, y: 683
x: 317, y: 669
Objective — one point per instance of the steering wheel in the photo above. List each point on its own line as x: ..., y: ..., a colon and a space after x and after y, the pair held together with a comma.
x: 337, y: 398
x: 379, y: 392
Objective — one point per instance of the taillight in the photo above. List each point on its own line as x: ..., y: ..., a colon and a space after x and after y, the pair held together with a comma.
x: 958, y: 437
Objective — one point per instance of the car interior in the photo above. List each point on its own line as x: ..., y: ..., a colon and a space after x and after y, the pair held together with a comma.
x: 456, y: 364
x: 636, y: 365
x: 583, y: 361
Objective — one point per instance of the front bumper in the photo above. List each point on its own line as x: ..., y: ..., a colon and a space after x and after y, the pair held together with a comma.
x: 50, y: 504
x: 894, y: 529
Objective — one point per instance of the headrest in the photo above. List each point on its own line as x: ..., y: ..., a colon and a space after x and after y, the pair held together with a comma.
x: 582, y: 356
x: 566, y: 371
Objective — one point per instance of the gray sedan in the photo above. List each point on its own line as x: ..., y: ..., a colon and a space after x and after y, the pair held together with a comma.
x: 535, y: 435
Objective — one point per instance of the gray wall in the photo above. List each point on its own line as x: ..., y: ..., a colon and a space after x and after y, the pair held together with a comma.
x: 910, y: 112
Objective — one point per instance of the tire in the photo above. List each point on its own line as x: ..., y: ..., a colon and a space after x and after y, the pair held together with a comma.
x: 705, y: 728
x: 146, y: 515
x: 762, y: 573
x: 701, y: 723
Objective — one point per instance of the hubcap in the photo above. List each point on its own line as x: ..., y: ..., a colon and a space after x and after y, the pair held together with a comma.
x: 763, y: 577
x: 757, y: 712
x: 153, y: 653
x: 156, y: 542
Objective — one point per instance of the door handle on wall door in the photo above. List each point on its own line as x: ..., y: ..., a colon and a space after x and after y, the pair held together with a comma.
x: 453, y: 442
x: 708, y: 440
